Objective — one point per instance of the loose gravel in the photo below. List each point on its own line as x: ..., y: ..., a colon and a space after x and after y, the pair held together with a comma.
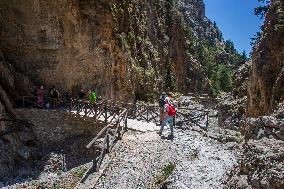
x: 200, y: 161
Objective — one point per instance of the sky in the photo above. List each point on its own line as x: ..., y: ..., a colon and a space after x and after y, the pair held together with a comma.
x: 236, y: 20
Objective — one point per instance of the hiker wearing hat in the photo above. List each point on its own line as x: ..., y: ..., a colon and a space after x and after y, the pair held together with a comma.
x: 169, y: 113
x: 161, y: 106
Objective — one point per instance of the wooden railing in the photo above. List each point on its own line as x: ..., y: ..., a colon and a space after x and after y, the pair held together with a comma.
x: 115, y: 115
x: 110, y: 134
x: 106, y: 109
x: 186, y: 117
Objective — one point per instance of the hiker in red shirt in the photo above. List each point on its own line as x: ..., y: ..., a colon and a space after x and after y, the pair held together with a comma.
x: 169, y: 113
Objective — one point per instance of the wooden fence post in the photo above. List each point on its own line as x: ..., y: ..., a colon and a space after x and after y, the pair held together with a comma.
x: 71, y: 104
x: 134, y: 114
x: 95, y: 167
x: 107, y: 141
x: 95, y: 107
x: 105, y: 113
x: 78, y: 107
x: 85, y: 110
x: 118, y: 133
x: 207, y: 121
x: 125, y: 123
x: 147, y: 118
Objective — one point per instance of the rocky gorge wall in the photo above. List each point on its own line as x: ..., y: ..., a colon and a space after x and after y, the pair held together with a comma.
x: 67, y: 43
x: 266, y: 83
x: 122, y: 49
x: 261, y: 160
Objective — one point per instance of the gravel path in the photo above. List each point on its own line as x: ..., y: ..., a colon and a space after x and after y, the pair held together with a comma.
x: 200, y: 162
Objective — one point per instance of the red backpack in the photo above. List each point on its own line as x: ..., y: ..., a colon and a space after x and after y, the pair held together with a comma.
x: 171, y: 110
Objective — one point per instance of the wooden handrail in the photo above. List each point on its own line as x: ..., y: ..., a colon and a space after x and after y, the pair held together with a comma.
x: 104, y: 129
x: 143, y: 112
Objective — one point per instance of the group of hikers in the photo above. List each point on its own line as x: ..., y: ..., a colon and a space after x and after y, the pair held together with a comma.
x: 48, y: 99
x: 92, y: 96
x: 53, y: 99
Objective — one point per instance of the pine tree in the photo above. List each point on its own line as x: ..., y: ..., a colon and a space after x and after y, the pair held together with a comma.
x: 244, y: 56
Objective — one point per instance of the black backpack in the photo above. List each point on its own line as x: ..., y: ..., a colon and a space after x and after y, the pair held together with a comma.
x: 162, y: 101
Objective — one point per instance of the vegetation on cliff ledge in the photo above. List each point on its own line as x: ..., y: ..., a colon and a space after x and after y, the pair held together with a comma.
x: 166, y: 52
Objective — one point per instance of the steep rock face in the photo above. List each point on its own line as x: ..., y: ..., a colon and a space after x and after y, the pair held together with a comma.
x: 17, y: 142
x: 14, y: 83
x: 160, y: 43
x: 122, y: 49
x: 68, y: 44
x: 266, y: 83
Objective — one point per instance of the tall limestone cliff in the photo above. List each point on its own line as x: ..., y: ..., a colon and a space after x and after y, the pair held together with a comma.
x: 122, y: 49
x: 266, y: 83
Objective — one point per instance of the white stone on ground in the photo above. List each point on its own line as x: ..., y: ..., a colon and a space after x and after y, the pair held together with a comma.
x: 200, y: 162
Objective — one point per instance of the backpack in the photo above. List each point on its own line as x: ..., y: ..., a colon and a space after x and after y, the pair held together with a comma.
x: 162, y: 102
x: 171, y: 110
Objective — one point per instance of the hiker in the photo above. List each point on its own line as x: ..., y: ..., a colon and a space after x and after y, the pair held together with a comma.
x: 161, y: 106
x: 34, y: 92
x: 82, y: 94
x: 169, y: 113
x: 67, y: 96
x: 92, y: 97
x: 56, y: 98
x: 50, y: 95
x: 40, y: 97
x: 51, y: 90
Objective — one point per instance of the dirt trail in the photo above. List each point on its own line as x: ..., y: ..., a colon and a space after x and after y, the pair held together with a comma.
x: 200, y: 162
